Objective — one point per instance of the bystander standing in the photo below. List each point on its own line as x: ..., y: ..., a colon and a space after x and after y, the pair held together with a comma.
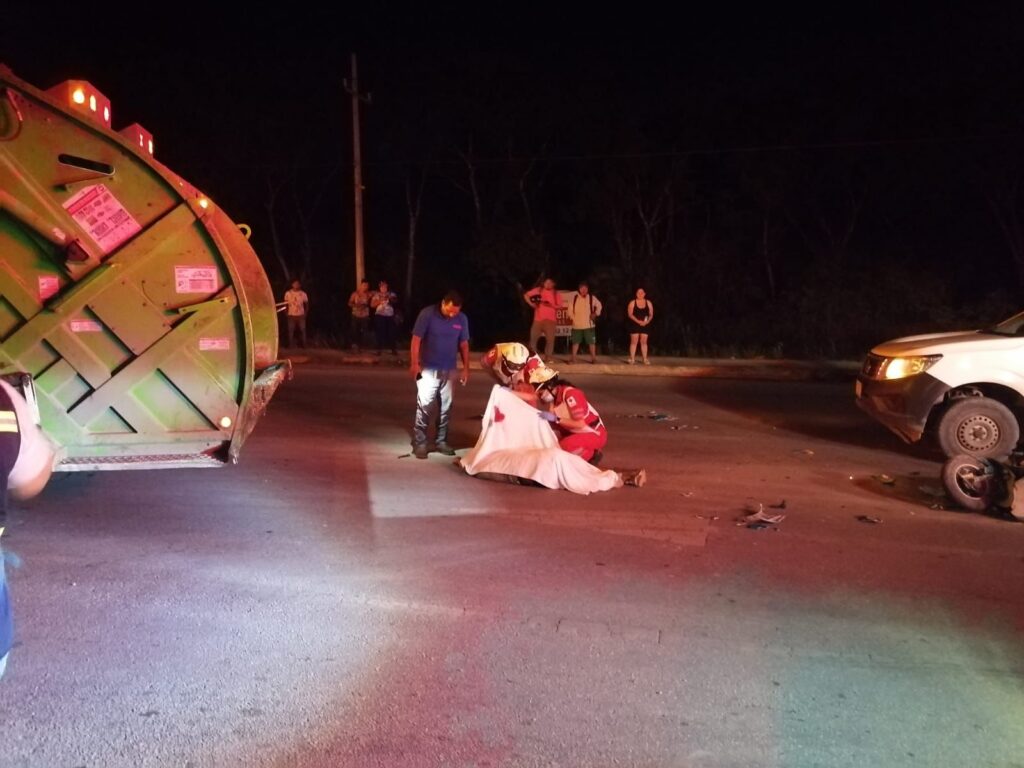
x: 383, y: 301
x: 26, y: 460
x: 359, y: 302
x: 297, y: 308
x: 544, y: 299
x: 584, y: 309
x: 439, y: 338
x: 640, y: 312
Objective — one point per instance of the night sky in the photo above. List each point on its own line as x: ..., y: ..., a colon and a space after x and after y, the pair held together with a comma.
x: 916, y: 112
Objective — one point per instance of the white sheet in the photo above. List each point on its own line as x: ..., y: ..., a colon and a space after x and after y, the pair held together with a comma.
x: 514, y: 440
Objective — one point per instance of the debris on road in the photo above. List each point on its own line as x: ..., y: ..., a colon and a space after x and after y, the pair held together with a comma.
x: 653, y: 415
x: 760, y: 518
x: 885, y: 479
x: 804, y: 451
x: 869, y: 519
x: 660, y: 416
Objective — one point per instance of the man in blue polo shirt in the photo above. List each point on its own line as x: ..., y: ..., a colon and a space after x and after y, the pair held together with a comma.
x: 439, y: 337
x: 26, y: 460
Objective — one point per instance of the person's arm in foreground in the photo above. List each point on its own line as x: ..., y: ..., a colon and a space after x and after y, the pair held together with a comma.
x: 464, y: 353
x: 414, y: 356
x: 488, y: 361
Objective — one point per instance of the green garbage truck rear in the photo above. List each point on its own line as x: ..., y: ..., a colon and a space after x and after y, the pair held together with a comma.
x: 133, y: 311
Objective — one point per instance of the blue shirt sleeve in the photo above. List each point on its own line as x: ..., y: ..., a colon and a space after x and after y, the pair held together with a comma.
x: 422, y: 321
x: 464, y: 332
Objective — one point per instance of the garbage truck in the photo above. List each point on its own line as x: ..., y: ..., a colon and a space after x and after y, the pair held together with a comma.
x: 134, y: 314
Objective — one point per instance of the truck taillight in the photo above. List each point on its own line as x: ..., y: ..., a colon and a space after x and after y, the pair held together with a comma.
x: 83, y: 97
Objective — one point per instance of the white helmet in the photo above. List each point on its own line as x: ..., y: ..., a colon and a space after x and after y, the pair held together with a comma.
x: 542, y: 374
x: 513, y: 356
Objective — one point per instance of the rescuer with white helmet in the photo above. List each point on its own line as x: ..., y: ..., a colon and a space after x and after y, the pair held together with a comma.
x: 507, y: 363
x: 577, y: 423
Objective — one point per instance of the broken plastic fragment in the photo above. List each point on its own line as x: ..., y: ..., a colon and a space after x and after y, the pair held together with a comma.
x: 869, y: 519
x: 885, y: 479
x: 761, y: 517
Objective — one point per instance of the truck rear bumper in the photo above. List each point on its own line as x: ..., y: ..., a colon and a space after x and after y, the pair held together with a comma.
x: 263, y: 389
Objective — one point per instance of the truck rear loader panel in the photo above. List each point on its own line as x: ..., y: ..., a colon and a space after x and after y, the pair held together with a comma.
x: 137, y: 307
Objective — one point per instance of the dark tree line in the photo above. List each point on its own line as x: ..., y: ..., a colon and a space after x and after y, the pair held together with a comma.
x: 804, y: 252
x: 819, y: 228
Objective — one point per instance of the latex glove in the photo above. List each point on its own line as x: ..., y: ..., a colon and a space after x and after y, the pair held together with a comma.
x: 548, y: 416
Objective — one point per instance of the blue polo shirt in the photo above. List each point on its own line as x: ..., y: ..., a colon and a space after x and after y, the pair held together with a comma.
x: 441, y: 336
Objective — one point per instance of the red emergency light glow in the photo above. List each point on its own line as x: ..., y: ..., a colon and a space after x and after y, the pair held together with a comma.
x: 83, y: 97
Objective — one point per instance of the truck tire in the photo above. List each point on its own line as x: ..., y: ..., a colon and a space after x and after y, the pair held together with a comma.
x: 978, y: 426
x: 969, y: 483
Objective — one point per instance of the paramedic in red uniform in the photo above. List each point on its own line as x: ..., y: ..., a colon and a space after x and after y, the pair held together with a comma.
x: 578, y: 424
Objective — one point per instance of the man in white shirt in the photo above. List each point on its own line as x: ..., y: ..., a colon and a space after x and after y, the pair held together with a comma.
x: 584, y: 309
x: 298, y: 304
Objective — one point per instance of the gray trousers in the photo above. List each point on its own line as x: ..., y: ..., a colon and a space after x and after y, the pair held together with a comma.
x: 432, y: 385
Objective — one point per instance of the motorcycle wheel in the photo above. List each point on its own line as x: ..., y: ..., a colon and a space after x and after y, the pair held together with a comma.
x: 970, y: 483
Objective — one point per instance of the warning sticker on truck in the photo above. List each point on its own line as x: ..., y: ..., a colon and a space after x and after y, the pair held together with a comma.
x: 196, y: 280
x: 213, y: 344
x: 85, y: 326
x: 99, y: 213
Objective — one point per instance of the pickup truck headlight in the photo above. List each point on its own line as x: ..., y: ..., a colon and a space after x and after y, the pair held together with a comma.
x: 902, y: 367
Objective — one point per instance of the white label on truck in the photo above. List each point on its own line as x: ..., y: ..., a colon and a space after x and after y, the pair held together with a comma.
x: 85, y: 326
x: 99, y: 213
x: 208, y: 344
x: 196, y: 280
x: 48, y: 286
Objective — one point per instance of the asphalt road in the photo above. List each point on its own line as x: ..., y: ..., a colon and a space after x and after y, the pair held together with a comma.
x: 328, y: 602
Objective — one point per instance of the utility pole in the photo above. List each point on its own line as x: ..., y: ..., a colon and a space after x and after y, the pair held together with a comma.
x: 352, y: 87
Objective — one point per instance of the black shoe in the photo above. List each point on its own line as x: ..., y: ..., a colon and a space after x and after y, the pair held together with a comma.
x: 444, y: 448
x: 419, y: 451
x: 596, y: 458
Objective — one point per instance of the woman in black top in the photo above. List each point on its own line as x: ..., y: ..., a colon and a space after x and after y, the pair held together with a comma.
x: 640, y: 312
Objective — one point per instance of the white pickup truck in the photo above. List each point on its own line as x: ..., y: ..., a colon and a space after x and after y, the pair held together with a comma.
x: 965, y: 389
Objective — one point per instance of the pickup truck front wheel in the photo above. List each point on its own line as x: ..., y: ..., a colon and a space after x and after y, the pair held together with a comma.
x: 978, y: 426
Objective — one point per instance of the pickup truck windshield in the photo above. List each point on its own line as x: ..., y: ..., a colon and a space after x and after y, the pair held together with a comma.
x: 1013, y: 326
